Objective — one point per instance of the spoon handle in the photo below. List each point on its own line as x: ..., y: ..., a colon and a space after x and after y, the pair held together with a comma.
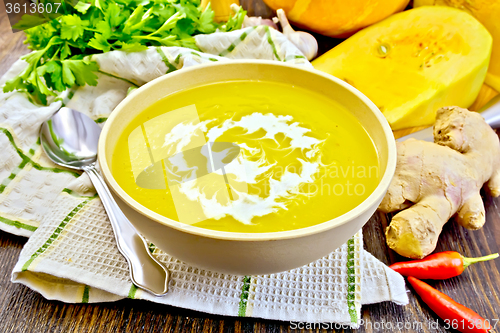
x: 146, y: 271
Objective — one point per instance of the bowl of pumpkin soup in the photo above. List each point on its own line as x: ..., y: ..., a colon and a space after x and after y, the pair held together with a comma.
x: 247, y: 167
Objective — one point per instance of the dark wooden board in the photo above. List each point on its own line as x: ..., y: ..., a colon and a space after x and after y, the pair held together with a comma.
x: 25, y: 311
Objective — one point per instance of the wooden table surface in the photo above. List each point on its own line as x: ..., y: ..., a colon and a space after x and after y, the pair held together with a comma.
x: 23, y: 310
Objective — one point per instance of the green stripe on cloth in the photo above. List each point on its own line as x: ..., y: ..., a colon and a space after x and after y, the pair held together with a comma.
x: 21, y: 165
x: 239, y: 40
x: 171, y: 67
x: 101, y: 120
x: 71, y: 93
x: 73, y: 193
x: 12, y: 175
x: 132, y: 291
x: 245, y: 290
x: 294, y: 57
x: 351, y: 281
x: 271, y: 42
x: 119, y: 78
x: 86, y: 292
x: 26, y: 158
x: 201, y: 56
x: 55, y: 234
x: 34, y: 148
x: 54, y: 170
x: 17, y: 224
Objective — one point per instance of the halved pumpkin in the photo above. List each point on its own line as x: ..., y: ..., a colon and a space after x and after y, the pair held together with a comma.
x: 488, y: 13
x: 337, y: 18
x: 414, y: 62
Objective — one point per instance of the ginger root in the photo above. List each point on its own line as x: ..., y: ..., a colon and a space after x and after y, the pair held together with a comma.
x: 435, y: 181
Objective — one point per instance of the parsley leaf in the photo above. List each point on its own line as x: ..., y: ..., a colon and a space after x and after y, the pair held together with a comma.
x: 99, y: 42
x: 206, y: 21
x: 62, y: 46
x: 79, y: 71
x: 51, y: 72
x: 29, y: 21
x: 72, y: 27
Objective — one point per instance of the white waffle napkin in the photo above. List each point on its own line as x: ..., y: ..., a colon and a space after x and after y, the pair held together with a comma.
x: 71, y: 253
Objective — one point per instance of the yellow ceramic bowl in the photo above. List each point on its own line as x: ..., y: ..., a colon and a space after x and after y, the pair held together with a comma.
x: 249, y: 253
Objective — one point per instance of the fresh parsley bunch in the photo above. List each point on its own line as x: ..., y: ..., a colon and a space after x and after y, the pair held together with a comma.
x: 61, y: 46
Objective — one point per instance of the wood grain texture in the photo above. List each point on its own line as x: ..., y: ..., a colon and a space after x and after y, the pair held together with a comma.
x: 11, y: 44
x: 25, y: 311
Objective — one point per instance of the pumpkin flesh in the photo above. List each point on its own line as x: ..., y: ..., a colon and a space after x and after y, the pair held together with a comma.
x: 414, y: 62
x: 488, y: 13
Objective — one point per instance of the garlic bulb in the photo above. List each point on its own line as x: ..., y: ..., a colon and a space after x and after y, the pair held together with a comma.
x: 250, y: 21
x: 304, y: 41
x: 254, y: 20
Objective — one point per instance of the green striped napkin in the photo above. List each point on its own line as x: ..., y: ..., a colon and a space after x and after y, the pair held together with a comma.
x: 71, y: 254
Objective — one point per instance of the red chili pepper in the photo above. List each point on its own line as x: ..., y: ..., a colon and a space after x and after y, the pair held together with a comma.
x: 441, y: 265
x: 455, y: 315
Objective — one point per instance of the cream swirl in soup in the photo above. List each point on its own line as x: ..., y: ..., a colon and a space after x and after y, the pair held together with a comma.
x: 288, y: 157
x: 258, y: 164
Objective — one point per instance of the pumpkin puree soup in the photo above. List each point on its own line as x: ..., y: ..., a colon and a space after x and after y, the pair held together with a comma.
x: 299, y: 158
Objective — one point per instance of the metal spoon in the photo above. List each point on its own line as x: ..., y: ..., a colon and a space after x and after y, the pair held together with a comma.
x: 70, y: 139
